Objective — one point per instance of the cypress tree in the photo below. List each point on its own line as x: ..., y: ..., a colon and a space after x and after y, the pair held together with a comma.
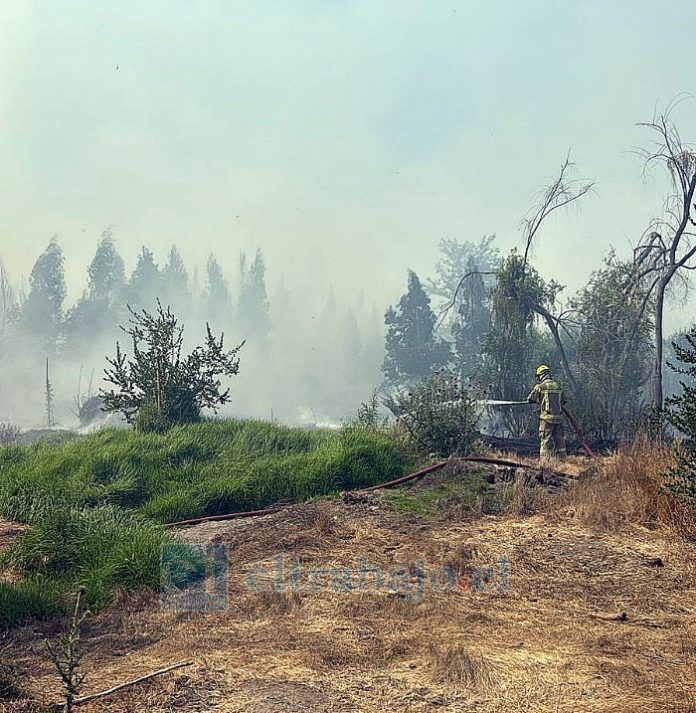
x: 412, y: 349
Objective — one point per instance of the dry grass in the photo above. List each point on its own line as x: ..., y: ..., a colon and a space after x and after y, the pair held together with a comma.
x: 625, y: 490
x: 552, y: 643
x: 324, y: 520
x: 457, y: 666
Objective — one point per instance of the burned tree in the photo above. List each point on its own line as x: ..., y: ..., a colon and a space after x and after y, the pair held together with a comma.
x: 560, y: 193
x: 667, y: 249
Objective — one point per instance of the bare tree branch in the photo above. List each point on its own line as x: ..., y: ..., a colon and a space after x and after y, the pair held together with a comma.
x: 453, y: 302
x: 560, y: 193
x: 673, y: 252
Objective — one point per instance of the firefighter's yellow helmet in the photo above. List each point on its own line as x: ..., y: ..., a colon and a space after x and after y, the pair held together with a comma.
x: 541, y: 370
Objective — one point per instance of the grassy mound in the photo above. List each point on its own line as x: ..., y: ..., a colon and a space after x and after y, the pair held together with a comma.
x: 96, y: 503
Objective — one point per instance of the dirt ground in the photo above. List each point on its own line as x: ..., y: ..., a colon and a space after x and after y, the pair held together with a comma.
x: 9, y: 532
x: 531, y: 612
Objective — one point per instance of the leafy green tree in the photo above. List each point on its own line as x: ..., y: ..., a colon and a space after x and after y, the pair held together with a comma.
x: 471, y: 323
x: 42, y: 312
x: 413, y: 350
x: 514, y: 344
x: 459, y: 259
x: 614, y: 352
x: 158, y: 386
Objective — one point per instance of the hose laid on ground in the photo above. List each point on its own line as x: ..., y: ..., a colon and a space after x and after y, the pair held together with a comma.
x: 578, y: 432
x: 229, y: 516
x: 390, y: 484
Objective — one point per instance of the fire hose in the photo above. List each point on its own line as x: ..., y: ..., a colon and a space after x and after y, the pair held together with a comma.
x: 390, y: 484
x: 578, y: 432
x: 568, y: 414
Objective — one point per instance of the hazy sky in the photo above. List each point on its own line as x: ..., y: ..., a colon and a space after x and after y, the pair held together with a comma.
x: 343, y: 137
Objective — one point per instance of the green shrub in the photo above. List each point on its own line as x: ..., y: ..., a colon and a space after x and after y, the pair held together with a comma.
x: 159, y: 387
x: 151, y: 419
x: 438, y: 414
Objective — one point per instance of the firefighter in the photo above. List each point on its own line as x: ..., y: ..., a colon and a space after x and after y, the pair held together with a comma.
x: 549, y: 395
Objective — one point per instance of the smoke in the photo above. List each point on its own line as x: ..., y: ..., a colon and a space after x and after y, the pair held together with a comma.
x: 345, y: 138
x: 308, y: 357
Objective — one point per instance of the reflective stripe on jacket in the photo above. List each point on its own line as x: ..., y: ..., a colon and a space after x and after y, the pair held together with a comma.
x: 549, y: 395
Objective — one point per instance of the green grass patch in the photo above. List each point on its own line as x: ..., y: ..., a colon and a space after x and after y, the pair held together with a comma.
x: 33, y: 597
x: 199, y: 469
x: 96, y: 504
x: 463, y: 493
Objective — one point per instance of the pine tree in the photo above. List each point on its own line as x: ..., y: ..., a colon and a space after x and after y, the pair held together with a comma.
x: 146, y: 281
x: 106, y: 273
x: 99, y: 310
x: 9, y: 306
x: 42, y: 312
x: 373, y: 347
x: 350, y: 348
x: 175, y: 281
x: 216, y: 298
x: 253, y: 307
x: 413, y: 350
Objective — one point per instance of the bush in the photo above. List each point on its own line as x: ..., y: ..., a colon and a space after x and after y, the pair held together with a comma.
x: 368, y: 413
x: 151, y: 419
x: 158, y: 387
x: 438, y: 414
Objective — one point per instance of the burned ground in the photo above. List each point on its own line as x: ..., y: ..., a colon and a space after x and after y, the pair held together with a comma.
x: 586, y: 619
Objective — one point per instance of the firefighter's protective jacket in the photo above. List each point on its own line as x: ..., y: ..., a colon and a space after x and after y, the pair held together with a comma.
x: 549, y: 395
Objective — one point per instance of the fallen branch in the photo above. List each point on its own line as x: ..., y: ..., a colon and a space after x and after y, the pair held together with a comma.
x: 121, y: 686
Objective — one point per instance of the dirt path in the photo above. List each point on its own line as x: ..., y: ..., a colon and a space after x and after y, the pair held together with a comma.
x: 9, y: 532
x: 566, y: 619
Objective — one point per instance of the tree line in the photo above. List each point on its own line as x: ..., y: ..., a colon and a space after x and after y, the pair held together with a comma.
x: 41, y: 314
x: 488, y: 317
x: 301, y: 361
